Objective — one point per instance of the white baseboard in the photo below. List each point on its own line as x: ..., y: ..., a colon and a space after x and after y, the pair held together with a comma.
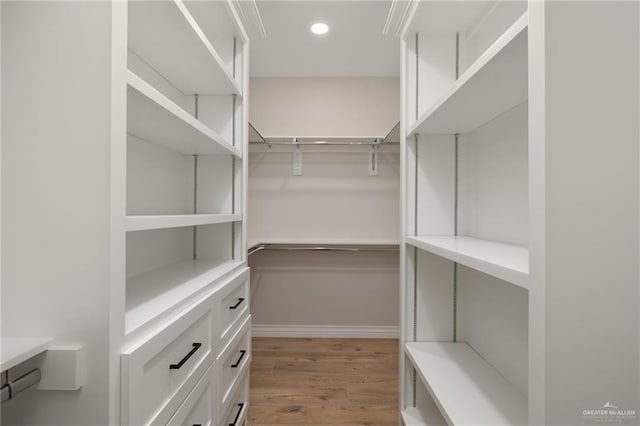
x: 359, y: 332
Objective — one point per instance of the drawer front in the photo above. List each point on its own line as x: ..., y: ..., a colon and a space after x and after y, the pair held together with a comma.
x: 233, y: 307
x: 199, y: 407
x: 239, y: 407
x: 165, y: 367
x: 231, y: 365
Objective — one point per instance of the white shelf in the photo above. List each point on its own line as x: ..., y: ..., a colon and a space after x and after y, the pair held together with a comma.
x: 153, y: 117
x: 465, y: 387
x: 412, y: 416
x: 16, y: 350
x: 144, y: 223
x: 168, y: 38
x: 152, y: 293
x: 496, y: 82
x: 505, y: 261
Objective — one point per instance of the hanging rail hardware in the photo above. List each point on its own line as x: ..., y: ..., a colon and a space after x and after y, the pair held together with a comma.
x: 330, y: 247
x: 11, y: 388
x: 392, y: 138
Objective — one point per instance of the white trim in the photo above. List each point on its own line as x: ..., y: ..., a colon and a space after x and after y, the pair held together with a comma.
x: 250, y: 16
x: 359, y: 332
x: 397, y: 17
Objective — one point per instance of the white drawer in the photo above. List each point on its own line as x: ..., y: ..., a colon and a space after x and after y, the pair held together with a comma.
x: 161, y: 370
x: 233, y: 307
x: 239, y: 407
x: 199, y: 407
x: 231, y: 365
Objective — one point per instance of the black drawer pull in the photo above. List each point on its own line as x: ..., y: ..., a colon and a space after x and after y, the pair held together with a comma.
x: 177, y: 366
x: 242, y: 352
x: 241, y: 405
x: 240, y: 300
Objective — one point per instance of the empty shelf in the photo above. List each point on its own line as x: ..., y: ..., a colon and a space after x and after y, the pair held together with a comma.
x: 152, y: 293
x: 496, y: 82
x: 167, y: 37
x: 505, y: 261
x: 465, y: 387
x: 412, y: 416
x: 19, y: 349
x: 143, y: 223
x: 153, y: 117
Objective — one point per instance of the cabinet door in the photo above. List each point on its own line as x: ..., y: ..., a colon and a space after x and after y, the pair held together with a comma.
x: 167, y: 365
x: 231, y: 365
x: 199, y: 407
x: 232, y: 308
x: 238, y: 409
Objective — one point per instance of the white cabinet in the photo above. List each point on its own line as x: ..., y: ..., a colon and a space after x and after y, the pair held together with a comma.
x: 184, y: 370
x: 483, y: 290
x: 239, y: 407
x: 198, y: 408
x: 232, y: 363
x: 157, y: 370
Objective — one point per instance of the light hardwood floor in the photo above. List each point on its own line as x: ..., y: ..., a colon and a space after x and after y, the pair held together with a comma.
x: 324, y: 382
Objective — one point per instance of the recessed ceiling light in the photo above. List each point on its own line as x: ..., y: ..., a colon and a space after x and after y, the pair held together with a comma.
x: 319, y: 28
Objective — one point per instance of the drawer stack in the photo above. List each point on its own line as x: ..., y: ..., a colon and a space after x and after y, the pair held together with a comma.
x: 195, y: 368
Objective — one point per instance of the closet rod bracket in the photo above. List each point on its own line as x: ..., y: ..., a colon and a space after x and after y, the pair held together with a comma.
x: 373, y: 158
x: 297, y: 159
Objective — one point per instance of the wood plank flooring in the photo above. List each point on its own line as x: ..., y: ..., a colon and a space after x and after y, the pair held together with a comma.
x: 324, y: 382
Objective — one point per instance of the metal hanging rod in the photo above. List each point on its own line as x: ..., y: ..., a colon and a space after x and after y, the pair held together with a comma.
x: 256, y: 138
x: 329, y: 247
x: 11, y: 388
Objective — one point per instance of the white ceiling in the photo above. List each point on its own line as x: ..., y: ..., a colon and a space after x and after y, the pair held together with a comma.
x: 354, y: 46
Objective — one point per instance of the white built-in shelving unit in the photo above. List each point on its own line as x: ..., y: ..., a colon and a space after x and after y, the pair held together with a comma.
x: 503, y: 186
x: 136, y: 150
x: 185, y: 269
x: 185, y: 148
x: 466, y: 261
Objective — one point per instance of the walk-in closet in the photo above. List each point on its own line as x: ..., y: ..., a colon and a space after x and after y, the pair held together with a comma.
x: 320, y: 212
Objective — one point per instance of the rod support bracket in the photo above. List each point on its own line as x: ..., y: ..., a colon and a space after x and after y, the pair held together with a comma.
x: 297, y: 159
x: 373, y: 159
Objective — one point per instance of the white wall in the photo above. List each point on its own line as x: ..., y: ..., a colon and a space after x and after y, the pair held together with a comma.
x: 333, y: 200
x: 329, y: 107
x: 55, y: 196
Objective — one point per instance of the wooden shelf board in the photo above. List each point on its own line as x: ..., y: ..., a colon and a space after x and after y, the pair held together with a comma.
x: 152, y: 293
x: 505, y: 261
x: 144, y: 223
x: 16, y: 350
x: 155, y: 118
x: 167, y: 37
x: 495, y: 83
x: 465, y: 387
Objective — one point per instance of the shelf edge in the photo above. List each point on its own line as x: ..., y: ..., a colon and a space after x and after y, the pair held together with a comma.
x: 492, y: 51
